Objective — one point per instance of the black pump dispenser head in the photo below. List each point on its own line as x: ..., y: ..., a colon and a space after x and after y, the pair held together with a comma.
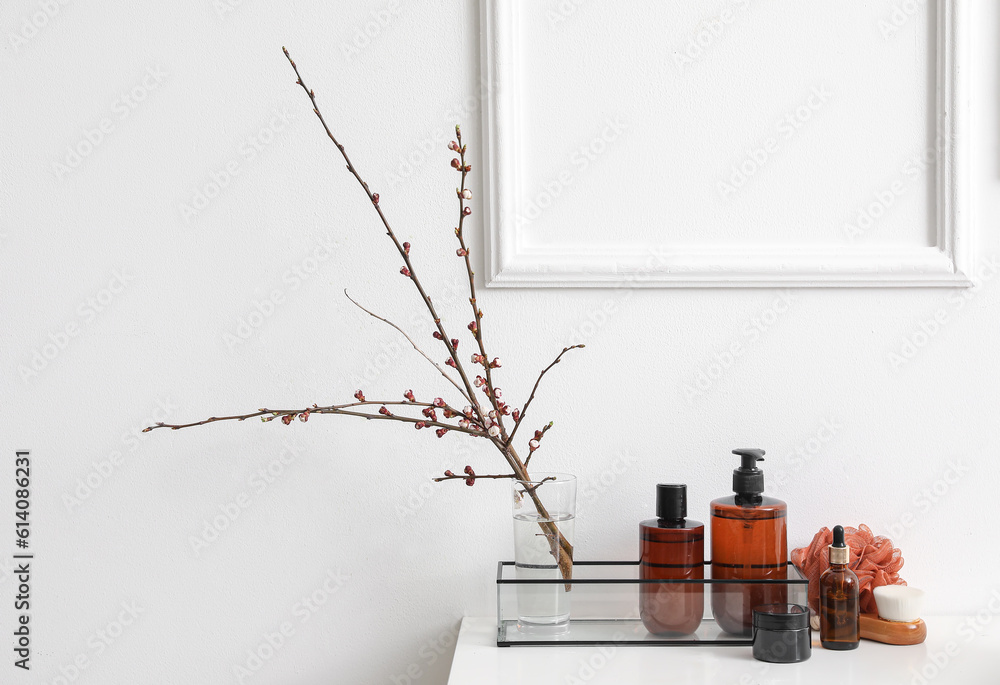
x: 748, y: 480
x: 671, y: 502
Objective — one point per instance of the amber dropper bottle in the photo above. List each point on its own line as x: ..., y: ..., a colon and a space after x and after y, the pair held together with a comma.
x: 838, y: 599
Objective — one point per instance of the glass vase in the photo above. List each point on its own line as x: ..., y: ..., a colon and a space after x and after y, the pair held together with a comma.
x: 544, y: 512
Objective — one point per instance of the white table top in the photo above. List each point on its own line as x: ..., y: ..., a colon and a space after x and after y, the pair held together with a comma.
x: 960, y: 650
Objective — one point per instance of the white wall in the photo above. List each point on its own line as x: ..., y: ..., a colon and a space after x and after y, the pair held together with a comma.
x: 212, y: 83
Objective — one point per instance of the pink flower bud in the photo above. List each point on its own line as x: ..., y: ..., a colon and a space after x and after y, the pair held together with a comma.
x: 494, y: 431
x: 517, y: 415
x: 467, y: 411
x: 453, y: 146
x: 405, y: 271
x: 448, y: 413
x: 437, y: 336
x: 464, y: 423
x: 419, y: 424
x: 449, y: 473
x: 461, y: 252
x: 406, y: 248
x: 467, y: 211
x: 488, y: 421
x: 454, y: 343
x: 440, y: 432
x: 495, y: 364
x: 497, y: 392
x: 468, y: 168
x: 430, y: 413
x: 469, y: 471
x: 470, y: 481
x: 451, y: 362
x: 375, y: 198
x: 533, y: 445
x: 409, y: 395
x: 473, y: 326
x: 304, y: 416
x: 493, y: 414
x: 476, y: 358
x: 456, y: 164
x: 359, y: 396
x: 438, y: 402
x: 504, y: 409
x: 538, y: 435
x: 479, y: 381
x: 466, y: 194
x: 286, y: 419
x: 384, y: 411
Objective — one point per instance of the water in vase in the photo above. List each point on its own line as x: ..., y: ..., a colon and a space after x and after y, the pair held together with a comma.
x: 540, y: 608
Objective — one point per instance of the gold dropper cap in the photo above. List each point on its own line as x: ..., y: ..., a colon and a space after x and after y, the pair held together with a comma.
x: 840, y: 553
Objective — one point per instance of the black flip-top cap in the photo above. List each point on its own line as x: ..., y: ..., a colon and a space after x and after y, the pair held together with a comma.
x: 748, y: 479
x: 781, y: 617
x: 671, y: 501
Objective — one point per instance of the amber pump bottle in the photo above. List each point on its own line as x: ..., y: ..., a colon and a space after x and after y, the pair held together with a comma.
x: 838, y: 598
x: 749, y: 543
x: 671, y: 547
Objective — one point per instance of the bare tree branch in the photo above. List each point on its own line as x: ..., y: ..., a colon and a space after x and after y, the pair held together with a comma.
x: 410, y: 340
x: 524, y: 409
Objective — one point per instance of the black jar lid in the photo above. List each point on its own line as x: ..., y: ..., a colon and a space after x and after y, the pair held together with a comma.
x: 781, y: 617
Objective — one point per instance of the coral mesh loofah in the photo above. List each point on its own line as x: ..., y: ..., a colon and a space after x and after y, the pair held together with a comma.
x: 873, y: 559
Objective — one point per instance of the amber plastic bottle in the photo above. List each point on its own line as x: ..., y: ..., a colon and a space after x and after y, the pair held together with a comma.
x: 838, y: 599
x: 749, y: 543
x: 671, y: 547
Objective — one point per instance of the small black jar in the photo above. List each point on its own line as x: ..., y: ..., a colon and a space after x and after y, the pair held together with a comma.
x: 781, y: 633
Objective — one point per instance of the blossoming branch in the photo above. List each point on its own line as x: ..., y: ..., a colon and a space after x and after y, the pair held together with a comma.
x: 477, y: 418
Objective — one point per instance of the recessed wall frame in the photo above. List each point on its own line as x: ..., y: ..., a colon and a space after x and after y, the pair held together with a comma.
x: 947, y: 263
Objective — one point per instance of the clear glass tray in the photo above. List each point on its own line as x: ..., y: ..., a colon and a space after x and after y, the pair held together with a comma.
x: 604, y: 603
